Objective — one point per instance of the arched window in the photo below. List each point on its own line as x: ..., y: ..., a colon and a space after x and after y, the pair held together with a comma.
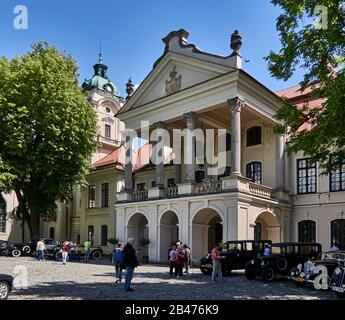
x: 254, y: 171
x: 307, y: 231
x: 3, y: 214
x: 253, y: 136
x: 257, y: 231
x: 52, y: 233
x: 338, y: 233
x: 91, y: 234
x: 104, y: 235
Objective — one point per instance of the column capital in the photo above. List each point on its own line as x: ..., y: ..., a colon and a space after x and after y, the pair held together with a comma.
x: 190, y: 116
x: 236, y: 104
x: 159, y: 125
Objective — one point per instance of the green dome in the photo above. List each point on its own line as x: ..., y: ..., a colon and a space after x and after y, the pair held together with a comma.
x: 100, y: 80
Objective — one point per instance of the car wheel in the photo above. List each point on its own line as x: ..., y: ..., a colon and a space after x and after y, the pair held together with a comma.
x: 58, y: 255
x: 206, y: 271
x: 282, y: 264
x: 4, y: 290
x: 16, y: 253
x: 26, y: 249
x: 268, y: 274
x: 96, y: 255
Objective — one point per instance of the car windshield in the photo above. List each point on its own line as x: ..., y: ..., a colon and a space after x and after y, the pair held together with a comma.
x: 333, y: 255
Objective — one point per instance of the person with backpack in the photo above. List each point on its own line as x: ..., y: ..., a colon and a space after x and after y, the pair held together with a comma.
x: 181, y: 258
x: 117, y: 259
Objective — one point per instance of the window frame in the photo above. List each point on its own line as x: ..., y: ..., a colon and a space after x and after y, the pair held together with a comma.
x: 104, y: 240
x: 298, y: 169
x: 249, y: 136
x: 107, y: 130
x: 105, y: 195
x: 311, y: 235
x: 334, y: 221
x: 252, y: 171
x: 341, y: 182
x: 91, y: 203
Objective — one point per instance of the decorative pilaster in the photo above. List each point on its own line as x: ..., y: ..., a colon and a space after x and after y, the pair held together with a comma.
x: 129, y: 165
x: 236, y: 105
x: 280, y: 162
x: 189, y: 146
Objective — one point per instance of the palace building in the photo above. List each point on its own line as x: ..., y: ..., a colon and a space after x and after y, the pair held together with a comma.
x: 259, y: 192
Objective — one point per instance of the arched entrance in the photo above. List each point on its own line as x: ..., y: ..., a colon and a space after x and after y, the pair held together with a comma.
x: 267, y: 227
x: 168, y: 232
x: 138, y: 228
x: 207, y: 230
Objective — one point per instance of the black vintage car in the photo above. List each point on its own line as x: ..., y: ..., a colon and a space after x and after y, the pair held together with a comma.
x: 282, y: 258
x: 319, y: 272
x: 337, y: 284
x: 237, y: 253
x: 8, y: 248
x: 6, y: 284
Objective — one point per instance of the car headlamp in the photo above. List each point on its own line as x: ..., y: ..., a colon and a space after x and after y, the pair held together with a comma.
x: 337, y: 271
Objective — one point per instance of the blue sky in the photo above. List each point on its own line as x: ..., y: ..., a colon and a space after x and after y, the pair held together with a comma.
x: 131, y: 32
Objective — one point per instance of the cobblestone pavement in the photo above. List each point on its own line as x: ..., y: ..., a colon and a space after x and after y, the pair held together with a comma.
x: 95, y: 280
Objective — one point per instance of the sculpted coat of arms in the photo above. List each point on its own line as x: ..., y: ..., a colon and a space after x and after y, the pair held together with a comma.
x: 174, y: 84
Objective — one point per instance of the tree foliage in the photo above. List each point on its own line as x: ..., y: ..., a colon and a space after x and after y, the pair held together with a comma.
x: 47, y: 130
x: 320, y: 50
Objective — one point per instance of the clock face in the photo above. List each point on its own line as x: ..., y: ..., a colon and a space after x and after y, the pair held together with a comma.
x: 108, y: 87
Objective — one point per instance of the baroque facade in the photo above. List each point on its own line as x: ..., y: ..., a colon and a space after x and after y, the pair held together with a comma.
x: 258, y: 192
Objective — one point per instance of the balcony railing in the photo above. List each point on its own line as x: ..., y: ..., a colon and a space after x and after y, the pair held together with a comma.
x: 140, y: 195
x: 260, y: 190
x: 107, y: 140
x: 171, y: 192
x: 209, y: 186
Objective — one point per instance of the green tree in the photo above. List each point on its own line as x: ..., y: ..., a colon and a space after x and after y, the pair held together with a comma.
x: 47, y: 131
x: 312, y: 35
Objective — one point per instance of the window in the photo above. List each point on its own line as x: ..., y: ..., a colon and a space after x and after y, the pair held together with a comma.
x: 105, y: 195
x: 107, y: 131
x: 153, y: 184
x: 3, y: 214
x: 338, y: 233
x: 253, y: 136
x: 257, y: 231
x: 51, y: 233
x: 92, y: 196
x: 306, y: 231
x: 337, y: 179
x: 254, y: 172
x: 306, y: 176
x: 91, y: 234
x: 228, y: 142
x: 141, y: 186
x: 171, y: 182
x: 199, y: 175
x: 104, y: 235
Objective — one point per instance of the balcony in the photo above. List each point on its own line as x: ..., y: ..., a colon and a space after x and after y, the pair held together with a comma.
x: 107, y: 141
x: 226, y: 185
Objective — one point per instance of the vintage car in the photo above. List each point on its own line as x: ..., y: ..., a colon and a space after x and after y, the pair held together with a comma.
x: 6, y: 284
x: 337, y: 283
x: 95, y: 253
x: 237, y: 253
x: 7, y: 248
x: 282, y: 258
x: 317, y: 272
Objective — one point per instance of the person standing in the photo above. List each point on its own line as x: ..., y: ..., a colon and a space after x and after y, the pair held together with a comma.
x: 267, y: 250
x: 180, y: 261
x: 117, y: 259
x: 172, y: 260
x: 188, y: 257
x: 130, y: 261
x: 87, y: 246
x: 65, y: 250
x: 217, y: 266
x: 40, y: 250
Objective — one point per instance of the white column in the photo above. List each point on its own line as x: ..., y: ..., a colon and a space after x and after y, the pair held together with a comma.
x: 159, y: 153
x: 189, y: 150
x: 280, y: 156
x: 129, y: 165
x: 236, y: 105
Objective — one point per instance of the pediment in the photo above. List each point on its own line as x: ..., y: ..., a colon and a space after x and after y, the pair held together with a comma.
x: 173, y: 73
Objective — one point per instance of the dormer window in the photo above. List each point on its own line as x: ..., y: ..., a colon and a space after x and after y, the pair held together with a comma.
x: 253, y: 136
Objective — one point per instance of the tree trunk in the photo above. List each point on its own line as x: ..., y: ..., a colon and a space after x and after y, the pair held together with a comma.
x: 22, y: 207
x: 35, y: 223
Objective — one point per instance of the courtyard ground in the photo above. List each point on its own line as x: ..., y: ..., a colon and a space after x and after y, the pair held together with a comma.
x: 95, y: 280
